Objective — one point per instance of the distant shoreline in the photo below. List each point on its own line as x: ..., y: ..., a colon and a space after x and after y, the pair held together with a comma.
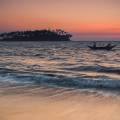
x: 37, y: 35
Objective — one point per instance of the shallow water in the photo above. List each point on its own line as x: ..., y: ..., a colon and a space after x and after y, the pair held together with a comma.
x: 64, y: 65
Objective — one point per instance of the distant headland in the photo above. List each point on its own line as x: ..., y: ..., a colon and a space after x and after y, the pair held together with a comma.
x: 36, y: 35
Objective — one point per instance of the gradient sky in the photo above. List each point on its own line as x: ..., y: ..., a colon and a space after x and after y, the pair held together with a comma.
x: 83, y: 17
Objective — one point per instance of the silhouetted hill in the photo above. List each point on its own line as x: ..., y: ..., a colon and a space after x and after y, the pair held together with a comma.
x: 37, y: 35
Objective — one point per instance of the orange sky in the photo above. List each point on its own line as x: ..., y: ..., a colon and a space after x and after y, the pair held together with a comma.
x: 78, y: 16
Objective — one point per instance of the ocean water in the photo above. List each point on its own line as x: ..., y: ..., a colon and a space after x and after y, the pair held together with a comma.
x: 69, y: 66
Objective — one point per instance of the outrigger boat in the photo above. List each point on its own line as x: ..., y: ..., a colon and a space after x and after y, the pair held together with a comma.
x: 107, y: 47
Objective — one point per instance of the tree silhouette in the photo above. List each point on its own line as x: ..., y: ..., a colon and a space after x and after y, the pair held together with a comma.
x: 37, y: 35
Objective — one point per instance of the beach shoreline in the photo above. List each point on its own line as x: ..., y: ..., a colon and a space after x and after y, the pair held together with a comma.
x: 67, y: 106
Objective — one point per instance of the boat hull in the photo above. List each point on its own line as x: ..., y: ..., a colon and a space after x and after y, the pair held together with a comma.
x: 101, y: 48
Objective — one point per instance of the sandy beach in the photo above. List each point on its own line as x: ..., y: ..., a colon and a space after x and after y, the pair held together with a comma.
x: 71, y: 105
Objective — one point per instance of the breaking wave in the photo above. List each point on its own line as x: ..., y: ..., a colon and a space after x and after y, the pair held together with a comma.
x: 96, y: 68
x: 59, y: 81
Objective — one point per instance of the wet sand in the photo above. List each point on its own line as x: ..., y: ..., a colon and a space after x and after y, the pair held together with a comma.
x: 70, y: 105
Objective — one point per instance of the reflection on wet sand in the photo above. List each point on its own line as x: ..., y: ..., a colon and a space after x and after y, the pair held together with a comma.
x: 64, y: 105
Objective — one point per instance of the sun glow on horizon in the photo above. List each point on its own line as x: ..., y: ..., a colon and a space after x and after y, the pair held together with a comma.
x: 85, y: 17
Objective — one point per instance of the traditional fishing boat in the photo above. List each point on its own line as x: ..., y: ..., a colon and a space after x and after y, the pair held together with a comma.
x: 107, y: 47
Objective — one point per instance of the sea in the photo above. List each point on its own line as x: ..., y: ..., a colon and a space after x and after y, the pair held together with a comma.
x: 69, y: 66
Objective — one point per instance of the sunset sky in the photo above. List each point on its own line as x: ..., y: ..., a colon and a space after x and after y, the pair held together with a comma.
x: 81, y: 17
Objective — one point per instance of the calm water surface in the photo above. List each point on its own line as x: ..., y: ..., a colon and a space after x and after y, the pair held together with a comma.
x: 67, y: 65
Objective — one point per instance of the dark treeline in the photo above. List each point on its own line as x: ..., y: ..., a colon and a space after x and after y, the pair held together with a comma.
x: 37, y: 35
